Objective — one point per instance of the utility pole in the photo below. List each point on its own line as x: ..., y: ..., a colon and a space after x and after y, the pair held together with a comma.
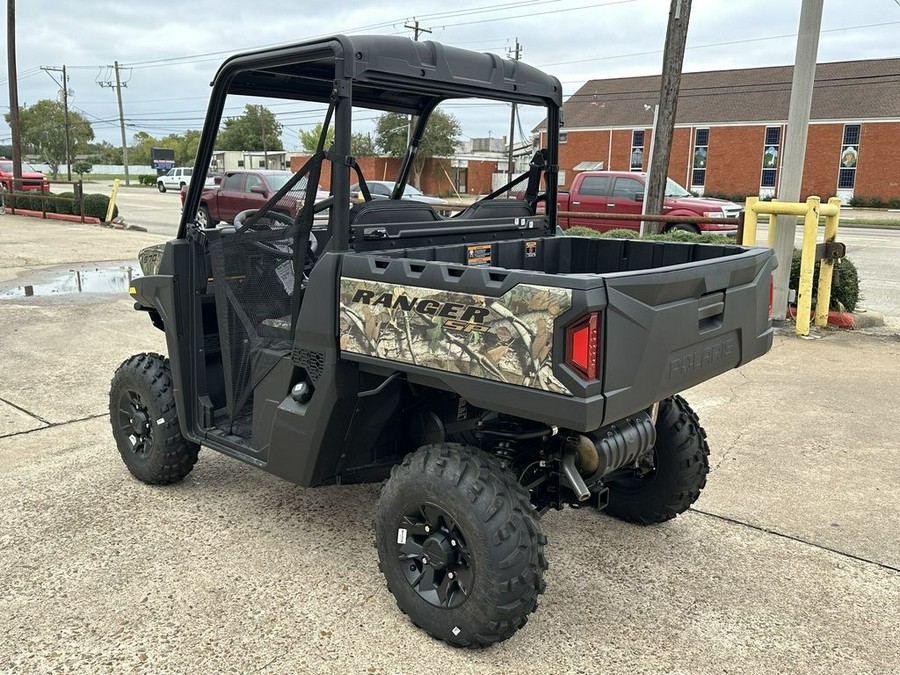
x: 118, y: 85
x: 412, y: 118
x: 65, y: 93
x: 673, y: 57
x: 794, y: 145
x: 262, y: 129
x: 13, y: 91
x: 415, y: 29
x: 645, y: 224
x: 516, y: 53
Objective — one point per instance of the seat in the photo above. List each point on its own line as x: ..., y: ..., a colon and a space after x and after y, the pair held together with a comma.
x: 496, y: 208
x: 390, y: 211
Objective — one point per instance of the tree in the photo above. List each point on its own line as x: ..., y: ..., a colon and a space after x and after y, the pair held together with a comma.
x: 309, y: 140
x: 256, y: 129
x: 41, y: 128
x: 105, y: 153
x: 185, y: 146
x: 439, y: 139
x: 82, y: 167
x: 362, y: 145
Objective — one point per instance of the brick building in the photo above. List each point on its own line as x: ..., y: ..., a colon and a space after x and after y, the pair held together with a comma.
x: 731, y: 126
x: 440, y: 176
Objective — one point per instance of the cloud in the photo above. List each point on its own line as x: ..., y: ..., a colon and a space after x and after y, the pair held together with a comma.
x: 575, y: 40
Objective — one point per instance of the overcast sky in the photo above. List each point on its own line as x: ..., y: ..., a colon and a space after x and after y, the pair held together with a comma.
x: 173, y: 49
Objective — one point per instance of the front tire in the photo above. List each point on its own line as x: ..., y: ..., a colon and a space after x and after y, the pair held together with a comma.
x: 160, y: 186
x: 145, y: 422
x: 460, y: 545
x: 681, y: 463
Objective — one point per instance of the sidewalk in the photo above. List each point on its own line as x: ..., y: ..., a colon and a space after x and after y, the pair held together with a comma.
x: 790, y: 561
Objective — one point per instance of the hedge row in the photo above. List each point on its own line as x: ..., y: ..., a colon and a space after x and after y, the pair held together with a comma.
x: 95, y: 205
x: 875, y: 203
x: 844, y: 282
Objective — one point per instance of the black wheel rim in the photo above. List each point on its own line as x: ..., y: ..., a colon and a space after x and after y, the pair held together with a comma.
x: 434, y: 556
x: 135, y: 423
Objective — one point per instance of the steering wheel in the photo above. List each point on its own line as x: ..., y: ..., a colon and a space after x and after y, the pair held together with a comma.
x: 268, y: 247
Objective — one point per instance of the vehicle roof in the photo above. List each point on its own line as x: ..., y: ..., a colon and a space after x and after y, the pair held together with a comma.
x: 387, y: 73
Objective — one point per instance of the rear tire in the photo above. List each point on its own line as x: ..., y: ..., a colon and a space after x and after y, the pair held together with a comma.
x: 460, y: 507
x: 681, y: 460
x: 145, y: 422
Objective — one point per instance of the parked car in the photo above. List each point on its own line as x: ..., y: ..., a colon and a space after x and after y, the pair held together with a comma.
x: 32, y: 179
x: 383, y: 188
x: 237, y: 191
x: 623, y: 192
x: 175, y: 179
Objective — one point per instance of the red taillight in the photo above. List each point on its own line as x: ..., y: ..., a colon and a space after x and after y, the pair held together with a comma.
x: 771, y: 295
x: 582, y: 345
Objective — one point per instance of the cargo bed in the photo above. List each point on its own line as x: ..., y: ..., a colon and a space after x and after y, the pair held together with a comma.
x: 670, y: 315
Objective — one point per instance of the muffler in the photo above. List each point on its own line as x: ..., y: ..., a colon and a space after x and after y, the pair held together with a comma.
x: 599, y: 453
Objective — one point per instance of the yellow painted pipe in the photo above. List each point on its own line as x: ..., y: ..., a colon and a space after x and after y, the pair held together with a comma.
x: 826, y: 269
x: 773, y: 225
x: 807, y: 265
x: 112, y: 200
x: 750, y: 220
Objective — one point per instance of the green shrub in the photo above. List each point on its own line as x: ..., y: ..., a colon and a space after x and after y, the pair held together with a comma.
x: 876, y: 203
x: 95, y: 206
x: 844, y: 282
x: 583, y: 232
x: 27, y: 200
x: 65, y: 203
x: 147, y: 179
x: 673, y: 235
x: 894, y: 203
x: 856, y: 202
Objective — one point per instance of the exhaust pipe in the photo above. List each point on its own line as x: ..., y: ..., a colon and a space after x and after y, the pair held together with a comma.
x: 599, y: 453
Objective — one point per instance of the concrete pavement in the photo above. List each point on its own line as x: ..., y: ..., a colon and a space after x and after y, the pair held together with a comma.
x: 790, y: 561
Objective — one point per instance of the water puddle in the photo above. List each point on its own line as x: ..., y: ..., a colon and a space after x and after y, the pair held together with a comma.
x: 109, y: 278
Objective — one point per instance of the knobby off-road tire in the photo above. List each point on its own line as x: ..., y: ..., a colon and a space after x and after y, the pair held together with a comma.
x: 458, y: 505
x: 145, y: 422
x: 681, y: 460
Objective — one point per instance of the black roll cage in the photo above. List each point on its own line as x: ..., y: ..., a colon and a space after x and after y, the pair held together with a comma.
x: 385, y: 73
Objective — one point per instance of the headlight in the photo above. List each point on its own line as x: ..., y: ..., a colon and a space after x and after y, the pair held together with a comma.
x: 713, y: 214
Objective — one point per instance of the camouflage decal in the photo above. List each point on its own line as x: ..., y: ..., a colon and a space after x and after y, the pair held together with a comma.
x: 507, y: 339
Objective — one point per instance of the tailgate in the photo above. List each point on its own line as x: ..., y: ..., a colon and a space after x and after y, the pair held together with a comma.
x: 669, y: 329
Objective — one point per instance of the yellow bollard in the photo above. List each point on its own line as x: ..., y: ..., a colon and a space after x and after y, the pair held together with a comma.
x: 112, y: 200
x: 750, y: 219
x: 807, y: 265
x: 826, y: 268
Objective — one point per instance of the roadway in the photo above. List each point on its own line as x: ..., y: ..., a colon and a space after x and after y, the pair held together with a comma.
x: 874, y: 251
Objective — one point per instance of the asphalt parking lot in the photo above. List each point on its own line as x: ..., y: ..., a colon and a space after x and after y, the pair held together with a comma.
x: 790, y: 561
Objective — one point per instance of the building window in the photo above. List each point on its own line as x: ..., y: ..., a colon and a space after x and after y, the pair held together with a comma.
x: 637, y: 150
x: 241, y: 163
x: 849, y: 157
x: 563, y: 136
x: 771, y: 155
x: 701, y: 152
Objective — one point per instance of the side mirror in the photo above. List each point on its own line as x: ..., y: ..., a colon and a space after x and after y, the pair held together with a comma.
x: 217, y: 180
x: 639, y: 196
x: 259, y: 190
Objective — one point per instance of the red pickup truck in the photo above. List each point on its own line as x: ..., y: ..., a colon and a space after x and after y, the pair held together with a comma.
x: 238, y: 191
x: 623, y: 192
x: 32, y: 179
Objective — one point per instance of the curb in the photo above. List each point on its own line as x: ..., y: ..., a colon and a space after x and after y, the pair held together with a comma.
x: 847, y: 320
x: 88, y: 220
